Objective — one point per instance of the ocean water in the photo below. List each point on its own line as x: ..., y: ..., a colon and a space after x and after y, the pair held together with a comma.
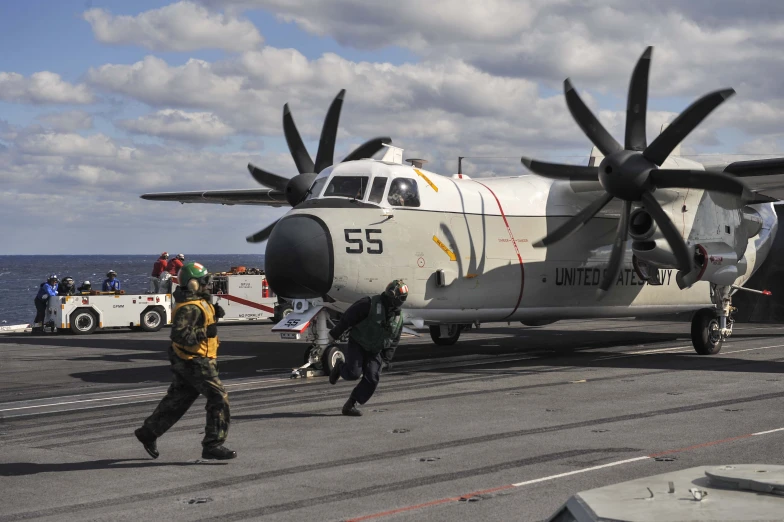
x: 21, y: 276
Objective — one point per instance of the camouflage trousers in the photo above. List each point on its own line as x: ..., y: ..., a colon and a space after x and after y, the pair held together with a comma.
x: 191, y: 378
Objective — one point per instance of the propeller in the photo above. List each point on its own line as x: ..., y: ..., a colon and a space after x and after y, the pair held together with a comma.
x: 631, y: 173
x: 296, y: 188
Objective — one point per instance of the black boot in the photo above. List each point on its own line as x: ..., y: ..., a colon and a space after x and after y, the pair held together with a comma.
x: 218, y: 453
x: 148, y: 438
x: 334, y: 375
x: 350, y: 408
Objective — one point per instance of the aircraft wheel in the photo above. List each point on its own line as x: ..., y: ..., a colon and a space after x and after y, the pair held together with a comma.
x: 705, y: 332
x: 282, y: 313
x: 151, y: 320
x: 330, y: 358
x: 83, y: 322
x: 453, y: 334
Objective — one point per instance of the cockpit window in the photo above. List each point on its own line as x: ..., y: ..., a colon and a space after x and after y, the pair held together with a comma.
x: 347, y: 187
x: 403, y: 192
x: 315, y: 189
x: 377, y: 190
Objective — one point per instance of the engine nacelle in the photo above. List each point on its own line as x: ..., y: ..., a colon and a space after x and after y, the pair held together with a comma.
x: 641, y: 225
x: 719, y: 263
x: 655, y: 251
x: 752, y: 221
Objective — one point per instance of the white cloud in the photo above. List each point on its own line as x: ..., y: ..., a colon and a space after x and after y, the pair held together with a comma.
x: 182, y: 26
x: 68, y: 121
x: 66, y: 145
x: 700, y: 45
x: 193, y: 127
x: 42, y: 88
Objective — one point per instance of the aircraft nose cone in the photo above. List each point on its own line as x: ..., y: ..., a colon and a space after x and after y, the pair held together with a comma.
x: 299, y: 263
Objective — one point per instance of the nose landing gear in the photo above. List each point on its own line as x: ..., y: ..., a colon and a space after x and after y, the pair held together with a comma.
x: 710, y: 327
x: 321, y: 355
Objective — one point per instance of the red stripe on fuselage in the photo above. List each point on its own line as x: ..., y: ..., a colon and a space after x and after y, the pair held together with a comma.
x: 517, y: 250
x: 245, y: 302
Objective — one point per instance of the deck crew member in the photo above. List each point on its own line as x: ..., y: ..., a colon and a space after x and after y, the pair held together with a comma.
x: 193, y: 355
x: 157, y: 269
x: 67, y: 287
x: 175, y: 265
x: 85, y: 287
x: 111, y: 283
x: 376, y: 325
x: 45, y: 291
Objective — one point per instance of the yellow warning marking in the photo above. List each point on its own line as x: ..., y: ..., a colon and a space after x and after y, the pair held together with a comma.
x: 452, y: 256
x: 432, y: 185
x: 470, y: 276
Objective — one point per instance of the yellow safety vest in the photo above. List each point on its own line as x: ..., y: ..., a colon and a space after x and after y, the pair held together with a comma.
x: 206, y: 348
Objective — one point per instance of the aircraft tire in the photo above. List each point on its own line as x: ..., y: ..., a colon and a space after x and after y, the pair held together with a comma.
x: 454, y: 334
x: 330, y: 357
x: 83, y: 321
x: 702, y: 337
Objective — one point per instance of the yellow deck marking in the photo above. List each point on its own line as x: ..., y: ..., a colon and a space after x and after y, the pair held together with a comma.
x: 428, y: 182
x: 470, y: 276
x: 452, y: 256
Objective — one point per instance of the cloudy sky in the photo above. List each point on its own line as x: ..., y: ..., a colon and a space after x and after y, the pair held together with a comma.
x: 103, y: 100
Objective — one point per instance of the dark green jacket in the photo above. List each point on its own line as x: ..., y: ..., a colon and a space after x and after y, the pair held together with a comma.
x: 371, y: 327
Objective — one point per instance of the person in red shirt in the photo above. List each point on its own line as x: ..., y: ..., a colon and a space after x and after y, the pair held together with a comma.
x: 175, y: 264
x: 157, y: 269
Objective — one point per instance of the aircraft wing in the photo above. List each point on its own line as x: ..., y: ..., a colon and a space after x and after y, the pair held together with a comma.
x: 764, y: 177
x: 267, y: 197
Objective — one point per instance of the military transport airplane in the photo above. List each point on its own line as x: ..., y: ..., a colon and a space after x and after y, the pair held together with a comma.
x: 494, y: 249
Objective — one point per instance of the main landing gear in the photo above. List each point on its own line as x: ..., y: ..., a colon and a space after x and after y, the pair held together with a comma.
x: 321, y: 355
x: 445, y: 334
x: 710, y: 327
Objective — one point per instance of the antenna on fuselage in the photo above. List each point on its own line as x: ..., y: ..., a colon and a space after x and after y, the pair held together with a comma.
x: 416, y: 162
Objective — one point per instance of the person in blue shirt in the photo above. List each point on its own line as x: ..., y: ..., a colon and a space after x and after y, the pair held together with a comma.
x: 111, y: 283
x: 45, y: 291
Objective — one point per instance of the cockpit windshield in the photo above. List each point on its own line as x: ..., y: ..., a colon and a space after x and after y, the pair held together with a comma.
x: 315, y: 189
x: 353, y: 187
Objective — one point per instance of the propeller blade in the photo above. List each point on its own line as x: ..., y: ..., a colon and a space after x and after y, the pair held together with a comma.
x: 618, y: 250
x: 329, y: 131
x: 367, y: 149
x: 268, y: 179
x: 637, y: 103
x: 700, y: 179
x: 262, y: 235
x: 671, y: 234
x: 298, y: 151
x: 588, y: 122
x: 561, y: 171
x: 575, y: 223
x: 686, y: 122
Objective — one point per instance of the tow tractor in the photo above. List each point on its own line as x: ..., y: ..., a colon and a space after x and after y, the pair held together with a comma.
x: 84, y: 313
x: 243, y: 296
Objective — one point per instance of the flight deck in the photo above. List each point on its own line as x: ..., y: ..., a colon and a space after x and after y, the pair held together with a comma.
x: 506, y: 424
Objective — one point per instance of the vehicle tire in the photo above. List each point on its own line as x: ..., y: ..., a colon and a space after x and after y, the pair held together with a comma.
x: 330, y: 358
x: 152, y: 319
x: 453, y: 334
x: 83, y: 321
x: 705, y: 334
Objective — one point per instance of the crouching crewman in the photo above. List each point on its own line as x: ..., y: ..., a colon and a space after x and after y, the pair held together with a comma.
x: 376, y: 325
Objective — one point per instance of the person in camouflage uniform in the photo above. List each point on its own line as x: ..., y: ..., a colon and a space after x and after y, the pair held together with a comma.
x: 193, y: 356
x: 376, y: 325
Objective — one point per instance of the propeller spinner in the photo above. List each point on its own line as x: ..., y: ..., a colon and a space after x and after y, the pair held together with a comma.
x: 631, y: 173
x: 296, y: 188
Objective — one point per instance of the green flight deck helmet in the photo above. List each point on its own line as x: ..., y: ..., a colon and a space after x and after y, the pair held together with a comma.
x: 193, y: 275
